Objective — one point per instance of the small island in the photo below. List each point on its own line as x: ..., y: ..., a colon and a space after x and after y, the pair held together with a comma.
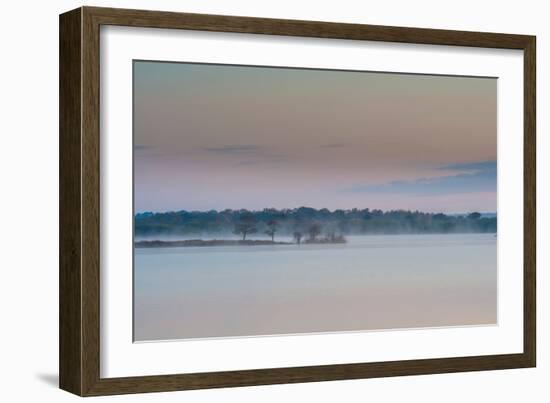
x: 303, y: 225
x: 202, y: 242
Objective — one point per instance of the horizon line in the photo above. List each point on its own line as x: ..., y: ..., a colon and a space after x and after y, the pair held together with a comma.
x: 313, y: 208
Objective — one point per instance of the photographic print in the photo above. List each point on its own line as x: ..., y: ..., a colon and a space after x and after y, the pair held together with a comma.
x: 275, y: 200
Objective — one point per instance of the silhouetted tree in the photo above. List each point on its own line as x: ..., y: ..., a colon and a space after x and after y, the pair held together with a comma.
x: 298, y: 237
x: 474, y: 216
x: 314, y: 230
x: 245, y: 226
x: 272, y: 229
x: 344, y: 222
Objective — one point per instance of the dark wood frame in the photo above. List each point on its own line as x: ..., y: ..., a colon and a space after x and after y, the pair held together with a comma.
x: 79, y: 201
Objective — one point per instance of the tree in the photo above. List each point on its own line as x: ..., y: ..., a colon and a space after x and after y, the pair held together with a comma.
x: 272, y: 229
x: 474, y: 216
x: 314, y: 230
x: 298, y: 237
x: 245, y: 226
x: 340, y: 222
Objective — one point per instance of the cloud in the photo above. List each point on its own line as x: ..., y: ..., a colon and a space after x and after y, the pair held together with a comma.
x: 268, y: 160
x: 142, y: 147
x: 475, y: 177
x: 471, y: 166
x: 248, y: 154
x: 234, y: 149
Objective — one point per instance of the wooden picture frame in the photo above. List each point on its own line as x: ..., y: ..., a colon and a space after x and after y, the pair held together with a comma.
x: 80, y: 199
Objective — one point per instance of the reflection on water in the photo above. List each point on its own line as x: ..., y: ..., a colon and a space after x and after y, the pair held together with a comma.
x: 370, y: 283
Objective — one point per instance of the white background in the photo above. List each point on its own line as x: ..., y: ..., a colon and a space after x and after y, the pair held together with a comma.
x: 29, y: 202
x: 120, y: 357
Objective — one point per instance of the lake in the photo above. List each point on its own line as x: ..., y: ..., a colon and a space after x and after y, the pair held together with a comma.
x: 369, y: 283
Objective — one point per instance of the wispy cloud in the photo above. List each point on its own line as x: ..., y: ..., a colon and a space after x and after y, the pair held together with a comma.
x: 471, y: 166
x: 248, y: 154
x: 475, y: 177
x: 234, y: 149
x: 268, y: 160
x: 142, y: 147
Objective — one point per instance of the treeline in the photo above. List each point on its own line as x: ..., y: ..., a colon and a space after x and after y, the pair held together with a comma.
x: 309, y: 223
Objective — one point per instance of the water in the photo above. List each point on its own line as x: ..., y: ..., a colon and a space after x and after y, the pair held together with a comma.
x: 370, y: 283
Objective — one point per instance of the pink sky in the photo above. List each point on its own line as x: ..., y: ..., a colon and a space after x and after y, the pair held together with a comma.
x: 216, y: 137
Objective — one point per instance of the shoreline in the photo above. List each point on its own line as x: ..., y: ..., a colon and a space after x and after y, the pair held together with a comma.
x: 204, y: 243
x: 142, y: 244
x: 229, y: 242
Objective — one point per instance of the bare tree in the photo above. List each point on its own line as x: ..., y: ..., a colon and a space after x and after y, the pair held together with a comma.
x: 272, y: 229
x: 314, y: 230
x: 245, y: 226
x: 298, y: 237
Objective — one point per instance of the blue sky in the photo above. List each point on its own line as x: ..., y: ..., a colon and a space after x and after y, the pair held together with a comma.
x: 461, y: 178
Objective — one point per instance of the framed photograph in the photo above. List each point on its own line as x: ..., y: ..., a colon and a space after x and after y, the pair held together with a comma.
x: 250, y: 201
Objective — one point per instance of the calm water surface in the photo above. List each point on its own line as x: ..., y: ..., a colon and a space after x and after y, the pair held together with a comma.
x: 370, y: 283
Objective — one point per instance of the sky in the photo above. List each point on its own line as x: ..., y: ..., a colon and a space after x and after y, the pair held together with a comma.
x: 230, y: 137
